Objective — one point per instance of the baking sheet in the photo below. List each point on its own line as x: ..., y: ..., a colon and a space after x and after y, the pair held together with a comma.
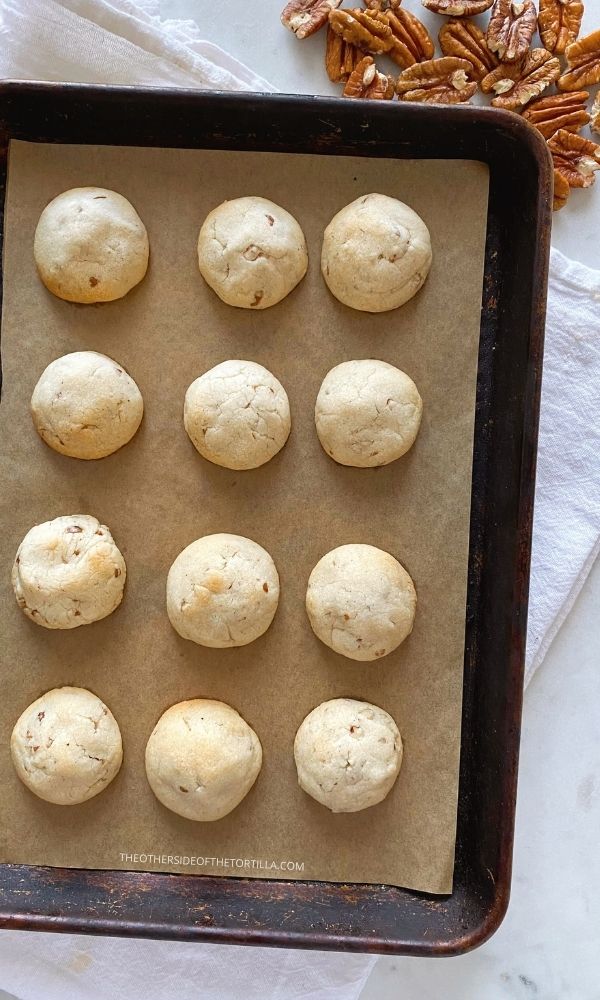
x: 157, y: 495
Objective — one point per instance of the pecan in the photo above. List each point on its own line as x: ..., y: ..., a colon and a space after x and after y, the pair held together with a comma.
x: 559, y: 22
x: 566, y: 111
x: 340, y: 57
x: 511, y: 28
x: 369, y: 30
x: 412, y: 42
x: 595, y: 123
x: 304, y: 17
x: 561, y: 191
x: 367, y: 81
x: 576, y: 158
x: 437, y: 81
x: 583, y: 61
x: 382, y: 4
x: 467, y: 41
x: 515, y: 84
x: 457, y: 8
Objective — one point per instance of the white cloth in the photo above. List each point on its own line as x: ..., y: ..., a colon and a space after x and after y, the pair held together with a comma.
x: 566, y: 526
x: 35, y: 966
x: 124, y: 41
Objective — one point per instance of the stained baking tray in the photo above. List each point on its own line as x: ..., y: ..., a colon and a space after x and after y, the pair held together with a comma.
x: 320, y: 914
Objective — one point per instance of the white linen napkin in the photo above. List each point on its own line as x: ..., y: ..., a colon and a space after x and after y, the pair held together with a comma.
x: 125, y: 42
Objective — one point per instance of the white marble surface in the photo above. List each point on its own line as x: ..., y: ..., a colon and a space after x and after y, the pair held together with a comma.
x: 549, y: 944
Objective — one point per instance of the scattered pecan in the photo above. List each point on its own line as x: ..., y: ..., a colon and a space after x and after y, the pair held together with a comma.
x: 304, y: 17
x: 412, y: 43
x: 595, y: 116
x: 369, y: 30
x: 367, y: 81
x: 561, y: 191
x: 457, y: 8
x: 437, y: 81
x: 559, y: 22
x: 382, y: 4
x: 576, y: 158
x: 467, y: 41
x: 583, y: 61
x: 341, y: 57
x: 515, y: 84
x: 511, y: 28
x: 566, y: 111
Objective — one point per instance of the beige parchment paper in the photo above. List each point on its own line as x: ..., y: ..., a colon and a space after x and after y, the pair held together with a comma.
x: 157, y: 495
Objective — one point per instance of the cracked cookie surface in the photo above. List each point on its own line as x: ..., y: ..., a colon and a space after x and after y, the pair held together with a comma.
x: 367, y: 413
x: 237, y: 415
x: 85, y: 405
x: 360, y: 602
x: 348, y: 754
x: 251, y: 252
x: 90, y: 245
x: 68, y: 572
x: 222, y: 591
x: 66, y: 746
x: 202, y: 759
x: 376, y: 253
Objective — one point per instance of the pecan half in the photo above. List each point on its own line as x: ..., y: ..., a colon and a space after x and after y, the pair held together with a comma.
x: 304, y: 17
x: 467, y: 41
x: 382, y: 4
x: 595, y: 116
x: 366, y: 81
x: 583, y: 61
x: 566, y: 111
x: 515, y: 84
x: 369, y: 30
x: 511, y: 28
x: 576, y: 158
x: 341, y: 57
x: 559, y: 22
x: 437, y: 81
x: 457, y: 8
x: 412, y: 43
x: 561, y: 191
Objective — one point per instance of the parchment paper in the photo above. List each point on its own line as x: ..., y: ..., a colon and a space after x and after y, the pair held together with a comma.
x: 157, y: 495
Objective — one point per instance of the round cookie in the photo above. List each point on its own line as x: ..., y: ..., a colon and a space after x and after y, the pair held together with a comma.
x: 367, y: 413
x: 202, y: 759
x: 360, y: 602
x: 85, y: 405
x: 237, y: 415
x: 222, y: 591
x: 348, y: 754
x: 90, y: 245
x: 251, y: 252
x: 376, y: 253
x: 68, y: 572
x: 66, y: 746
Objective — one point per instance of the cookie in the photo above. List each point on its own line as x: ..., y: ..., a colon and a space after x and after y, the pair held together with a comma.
x: 360, y: 602
x: 66, y: 746
x: 237, y: 415
x: 251, y: 252
x: 222, y: 591
x: 202, y: 759
x: 68, y: 572
x: 348, y: 754
x: 376, y: 253
x: 367, y: 413
x: 85, y: 405
x: 90, y: 245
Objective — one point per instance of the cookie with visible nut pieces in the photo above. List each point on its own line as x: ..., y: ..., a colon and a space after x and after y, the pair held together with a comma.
x: 90, y: 245
x: 251, y: 252
x: 66, y: 746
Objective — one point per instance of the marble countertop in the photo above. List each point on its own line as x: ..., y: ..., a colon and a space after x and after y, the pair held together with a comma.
x: 548, y: 945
